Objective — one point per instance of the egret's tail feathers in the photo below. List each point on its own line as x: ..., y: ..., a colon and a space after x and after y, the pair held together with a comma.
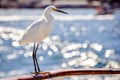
x: 22, y: 42
x: 18, y: 43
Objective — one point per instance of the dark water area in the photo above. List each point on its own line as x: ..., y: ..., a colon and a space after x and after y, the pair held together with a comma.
x: 85, y: 42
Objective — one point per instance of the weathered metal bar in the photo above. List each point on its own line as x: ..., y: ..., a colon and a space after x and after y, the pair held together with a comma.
x: 59, y: 73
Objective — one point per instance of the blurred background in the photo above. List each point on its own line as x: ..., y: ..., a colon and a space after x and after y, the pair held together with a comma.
x: 89, y: 37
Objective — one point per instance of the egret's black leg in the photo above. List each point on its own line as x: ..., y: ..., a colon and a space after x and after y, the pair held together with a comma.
x: 33, y: 55
x: 36, y: 58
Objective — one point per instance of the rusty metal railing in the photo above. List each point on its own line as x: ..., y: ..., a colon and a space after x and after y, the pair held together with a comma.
x: 61, y: 73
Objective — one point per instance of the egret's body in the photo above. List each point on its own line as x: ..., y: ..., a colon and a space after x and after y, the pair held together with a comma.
x: 38, y: 31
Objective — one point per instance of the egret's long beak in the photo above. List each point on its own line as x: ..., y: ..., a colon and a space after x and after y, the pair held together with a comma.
x: 60, y: 11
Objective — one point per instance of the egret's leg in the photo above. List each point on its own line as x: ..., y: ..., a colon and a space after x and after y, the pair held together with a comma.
x: 33, y: 55
x: 36, y: 58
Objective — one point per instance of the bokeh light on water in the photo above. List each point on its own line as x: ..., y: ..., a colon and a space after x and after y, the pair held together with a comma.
x: 83, y: 41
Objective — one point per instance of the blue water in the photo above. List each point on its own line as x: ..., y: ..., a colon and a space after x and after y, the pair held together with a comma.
x: 91, y: 43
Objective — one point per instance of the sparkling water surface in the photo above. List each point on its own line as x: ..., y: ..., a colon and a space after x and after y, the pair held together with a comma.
x: 78, y: 40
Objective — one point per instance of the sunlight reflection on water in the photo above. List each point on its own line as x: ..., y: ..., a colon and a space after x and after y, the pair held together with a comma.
x: 72, y: 44
x: 71, y: 51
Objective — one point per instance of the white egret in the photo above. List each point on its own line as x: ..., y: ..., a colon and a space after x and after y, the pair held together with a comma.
x: 38, y: 31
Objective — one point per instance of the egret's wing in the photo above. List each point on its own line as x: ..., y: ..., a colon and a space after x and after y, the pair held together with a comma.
x: 35, y: 25
x: 32, y: 31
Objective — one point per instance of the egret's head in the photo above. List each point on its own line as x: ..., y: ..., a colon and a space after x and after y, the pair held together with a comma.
x: 50, y: 9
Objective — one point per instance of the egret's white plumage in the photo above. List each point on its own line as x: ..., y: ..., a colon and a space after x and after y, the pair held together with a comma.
x: 38, y: 31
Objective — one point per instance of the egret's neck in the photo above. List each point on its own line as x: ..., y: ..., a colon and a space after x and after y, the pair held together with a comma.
x: 48, y: 16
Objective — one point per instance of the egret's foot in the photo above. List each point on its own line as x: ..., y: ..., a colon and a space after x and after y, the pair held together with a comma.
x: 36, y: 73
x: 42, y: 73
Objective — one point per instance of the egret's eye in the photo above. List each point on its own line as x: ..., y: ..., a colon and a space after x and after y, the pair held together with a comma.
x: 54, y: 9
